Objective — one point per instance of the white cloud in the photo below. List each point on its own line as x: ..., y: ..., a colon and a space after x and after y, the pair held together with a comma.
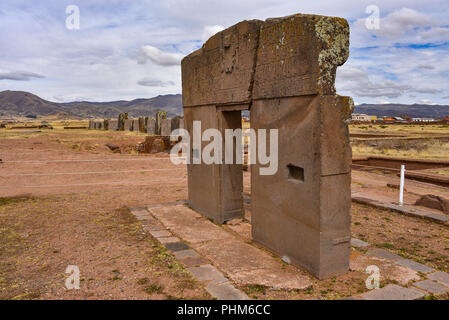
x: 399, y: 22
x: 426, y: 101
x: 436, y: 33
x: 158, y: 57
x: 98, y: 62
x: 209, y: 31
x: 149, y: 82
x: 382, y: 101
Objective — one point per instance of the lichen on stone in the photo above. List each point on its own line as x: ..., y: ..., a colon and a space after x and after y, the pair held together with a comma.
x: 333, y: 37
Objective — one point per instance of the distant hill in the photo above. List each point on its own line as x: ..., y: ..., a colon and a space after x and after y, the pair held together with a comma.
x: 397, y: 110
x: 19, y: 103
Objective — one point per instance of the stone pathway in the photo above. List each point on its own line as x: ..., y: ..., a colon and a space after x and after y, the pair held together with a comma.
x: 215, y: 282
x: 213, y: 255
x: 437, y: 282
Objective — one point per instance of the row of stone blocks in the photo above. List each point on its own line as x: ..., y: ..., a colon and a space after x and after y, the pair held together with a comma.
x: 142, y: 124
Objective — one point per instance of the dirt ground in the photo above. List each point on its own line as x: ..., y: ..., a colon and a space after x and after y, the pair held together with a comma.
x: 59, y: 213
x: 63, y: 199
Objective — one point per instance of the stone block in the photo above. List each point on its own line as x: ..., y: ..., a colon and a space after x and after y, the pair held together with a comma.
x: 151, y: 126
x: 414, y: 265
x: 166, y: 128
x: 359, y: 243
x: 186, y: 254
x: 176, y: 246
x: 135, y: 125
x: 432, y: 286
x: 284, y: 68
x: 113, y: 125
x: 392, y: 292
x: 226, y: 291
x: 193, y: 262
x: 127, y: 125
x: 168, y: 239
x: 440, y: 276
x: 160, y: 233
x: 205, y: 273
x: 384, y: 254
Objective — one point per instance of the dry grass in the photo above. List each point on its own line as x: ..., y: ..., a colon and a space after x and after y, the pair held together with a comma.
x: 412, y: 129
x: 427, y: 149
x: 413, y: 238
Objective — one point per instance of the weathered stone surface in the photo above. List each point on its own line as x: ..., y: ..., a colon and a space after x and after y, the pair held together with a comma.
x: 177, y: 123
x: 284, y: 69
x: 166, y: 127
x: 151, y: 126
x: 384, y: 254
x: 121, y: 121
x: 434, y: 202
x: 440, y: 276
x: 431, y: 286
x: 128, y: 125
x: 168, y: 239
x: 205, y: 273
x: 193, y: 262
x: 160, y: 233
x: 220, y: 200
x: 186, y: 254
x: 287, y: 210
x: 155, y: 144
x: 135, y: 125
x: 226, y: 291
x: 113, y: 125
x: 359, y: 243
x: 392, y: 292
x: 415, y: 265
x: 160, y: 115
x: 226, y: 250
x: 176, y: 246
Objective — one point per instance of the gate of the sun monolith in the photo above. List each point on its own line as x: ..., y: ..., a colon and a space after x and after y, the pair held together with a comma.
x: 283, y: 71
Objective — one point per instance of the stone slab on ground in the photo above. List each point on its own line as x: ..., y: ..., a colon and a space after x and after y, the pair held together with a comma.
x: 152, y: 225
x: 176, y: 246
x: 392, y: 292
x: 160, y: 233
x: 384, y: 254
x: 140, y: 213
x: 217, y: 284
x: 431, y: 286
x: 440, y: 276
x: 406, y: 210
x: 205, y: 272
x: 415, y: 265
x: 242, y: 262
x: 165, y: 240
x: 189, y: 253
x: 359, y: 243
x: 193, y: 262
x: 225, y: 291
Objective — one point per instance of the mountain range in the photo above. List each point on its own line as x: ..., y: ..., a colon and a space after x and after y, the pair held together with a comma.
x: 408, y: 110
x: 24, y: 104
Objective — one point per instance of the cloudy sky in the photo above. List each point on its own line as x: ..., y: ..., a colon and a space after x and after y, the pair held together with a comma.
x: 132, y: 49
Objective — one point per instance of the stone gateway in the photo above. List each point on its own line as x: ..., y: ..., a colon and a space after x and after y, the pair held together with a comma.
x: 283, y: 71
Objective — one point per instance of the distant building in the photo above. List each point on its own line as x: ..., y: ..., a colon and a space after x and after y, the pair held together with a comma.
x: 363, y: 117
x: 423, y: 120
